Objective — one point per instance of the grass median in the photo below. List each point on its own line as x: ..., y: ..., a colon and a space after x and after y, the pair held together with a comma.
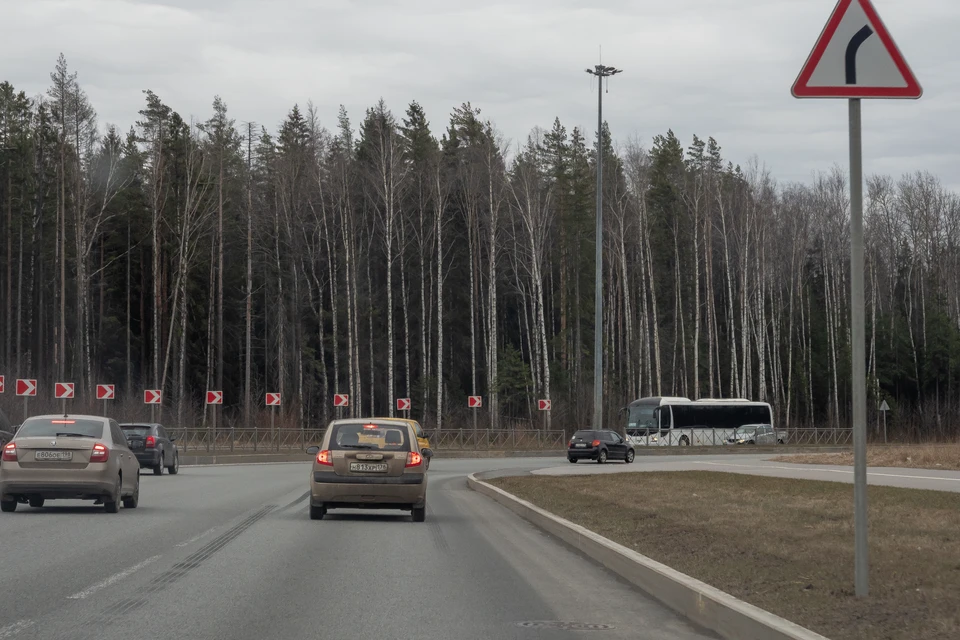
x: 781, y: 544
x: 942, y: 457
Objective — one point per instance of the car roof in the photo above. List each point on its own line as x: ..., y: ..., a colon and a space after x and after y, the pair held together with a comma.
x: 60, y: 416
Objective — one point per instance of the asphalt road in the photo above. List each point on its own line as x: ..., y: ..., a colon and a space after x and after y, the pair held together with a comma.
x: 229, y: 552
x: 761, y: 465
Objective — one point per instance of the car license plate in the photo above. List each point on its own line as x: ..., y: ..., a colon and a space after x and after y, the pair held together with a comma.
x: 53, y: 455
x: 368, y: 467
x: 582, y: 445
x: 136, y: 444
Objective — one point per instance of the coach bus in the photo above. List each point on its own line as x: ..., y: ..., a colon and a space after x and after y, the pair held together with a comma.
x: 666, y: 421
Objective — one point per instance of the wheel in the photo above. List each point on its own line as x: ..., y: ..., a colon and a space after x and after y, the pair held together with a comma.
x: 131, y: 502
x: 752, y: 442
x: 602, y: 457
x: 111, y: 504
x: 175, y: 467
x: 36, y: 502
x: 572, y: 460
x: 317, y: 512
x: 780, y: 441
x: 8, y: 506
x: 630, y: 456
x: 158, y: 470
x: 419, y: 513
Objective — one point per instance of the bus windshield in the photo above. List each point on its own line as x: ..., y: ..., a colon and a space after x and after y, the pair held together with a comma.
x: 641, y: 418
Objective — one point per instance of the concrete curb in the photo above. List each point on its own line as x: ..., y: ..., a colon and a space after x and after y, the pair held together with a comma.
x: 731, y: 618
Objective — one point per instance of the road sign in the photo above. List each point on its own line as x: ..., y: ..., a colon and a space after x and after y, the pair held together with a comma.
x: 106, y: 392
x: 403, y: 404
x: 273, y: 399
x: 544, y: 405
x: 152, y: 396
x: 1, y: 384
x: 341, y: 400
x: 855, y: 57
x: 214, y: 397
x: 63, y: 390
x: 884, y: 406
x: 474, y: 402
x: 26, y: 387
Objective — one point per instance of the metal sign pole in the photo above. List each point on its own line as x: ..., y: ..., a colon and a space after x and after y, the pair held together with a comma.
x: 25, y: 414
x: 859, y: 391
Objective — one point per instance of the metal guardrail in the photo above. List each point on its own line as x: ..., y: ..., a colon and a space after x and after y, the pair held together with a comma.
x: 290, y: 440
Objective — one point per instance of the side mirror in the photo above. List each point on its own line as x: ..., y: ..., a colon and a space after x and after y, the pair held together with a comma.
x: 427, y: 453
x: 314, y: 450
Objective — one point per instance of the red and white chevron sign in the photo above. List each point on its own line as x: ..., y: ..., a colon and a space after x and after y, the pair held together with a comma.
x: 26, y: 386
x: 152, y: 396
x: 474, y: 402
x: 544, y: 405
x: 106, y: 392
x: 403, y: 404
x: 273, y: 399
x: 1, y: 384
x: 63, y: 390
x: 341, y: 400
x: 214, y: 397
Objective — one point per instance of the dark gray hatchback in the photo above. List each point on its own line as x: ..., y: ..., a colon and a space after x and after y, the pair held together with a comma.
x: 600, y: 445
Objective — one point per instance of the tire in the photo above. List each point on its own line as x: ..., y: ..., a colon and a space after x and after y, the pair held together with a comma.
x: 572, y: 460
x: 36, y: 502
x: 174, y: 469
x: 158, y: 470
x: 630, y: 456
x: 111, y: 504
x: 419, y: 514
x: 317, y: 512
x: 602, y: 458
x: 8, y: 506
x: 131, y: 502
x: 780, y: 441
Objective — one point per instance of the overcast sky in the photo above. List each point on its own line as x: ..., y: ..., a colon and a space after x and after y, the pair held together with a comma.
x: 708, y: 67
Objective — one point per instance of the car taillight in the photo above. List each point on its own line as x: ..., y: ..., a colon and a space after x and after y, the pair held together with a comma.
x: 324, y: 458
x: 596, y: 443
x: 100, y: 453
x: 414, y: 459
x: 10, y: 452
x: 151, y: 442
x: 570, y: 444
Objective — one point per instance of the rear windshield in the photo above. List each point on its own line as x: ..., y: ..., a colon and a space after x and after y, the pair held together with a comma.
x: 134, y: 430
x: 587, y: 435
x: 51, y: 427
x: 366, y: 435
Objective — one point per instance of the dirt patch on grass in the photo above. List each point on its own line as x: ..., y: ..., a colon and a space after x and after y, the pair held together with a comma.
x: 783, y: 545
x: 929, y: 456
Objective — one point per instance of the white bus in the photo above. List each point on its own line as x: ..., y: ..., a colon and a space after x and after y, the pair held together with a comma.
x: 666, y: 421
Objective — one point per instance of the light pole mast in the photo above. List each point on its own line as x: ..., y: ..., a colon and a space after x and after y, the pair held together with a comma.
x: 601, y: 71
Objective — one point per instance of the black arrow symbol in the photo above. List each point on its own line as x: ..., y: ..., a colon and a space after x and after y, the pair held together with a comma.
x: 852, y: 48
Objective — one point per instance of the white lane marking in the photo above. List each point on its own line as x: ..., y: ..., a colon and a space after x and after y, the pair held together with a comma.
x: 13, y: 629
x: 89, y: 591
x: 813, y: 469
x: 197, y: 537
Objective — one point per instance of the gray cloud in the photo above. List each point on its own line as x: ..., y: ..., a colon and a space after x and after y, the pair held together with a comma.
x: 710, y: 67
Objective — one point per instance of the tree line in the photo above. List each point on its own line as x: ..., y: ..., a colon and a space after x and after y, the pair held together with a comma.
x: 396, y: 259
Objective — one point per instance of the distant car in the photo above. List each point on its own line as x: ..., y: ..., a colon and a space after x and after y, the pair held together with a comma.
x: 368, y: 463
x: 422, y: 438
x: 64, y: 457
x: 600, y: 445
x: 154, y: 447
x: 756, y: 434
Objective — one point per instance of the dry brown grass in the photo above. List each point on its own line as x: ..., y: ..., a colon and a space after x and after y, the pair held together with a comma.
x: 927, y: 456
x: 781, y: 544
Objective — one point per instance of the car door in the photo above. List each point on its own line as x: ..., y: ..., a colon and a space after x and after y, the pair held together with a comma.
x: 616, y: 448
x: 167, y: 447
x: 129, y: 467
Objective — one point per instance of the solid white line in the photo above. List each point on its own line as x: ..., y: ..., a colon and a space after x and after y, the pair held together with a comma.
x: 13, y: 629
x: 112, y: 579
x: 814, y: 469
x: 196, y: 537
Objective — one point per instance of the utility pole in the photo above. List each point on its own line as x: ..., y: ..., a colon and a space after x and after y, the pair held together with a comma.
x: 601, y: 72
x: 249, y: 284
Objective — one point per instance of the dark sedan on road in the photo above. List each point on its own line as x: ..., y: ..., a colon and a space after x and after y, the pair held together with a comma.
x: 600, y: 445
x: 154, y: 447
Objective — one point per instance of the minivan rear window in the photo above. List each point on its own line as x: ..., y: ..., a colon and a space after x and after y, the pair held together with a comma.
x: 370, y: 435
x: 50, y: 427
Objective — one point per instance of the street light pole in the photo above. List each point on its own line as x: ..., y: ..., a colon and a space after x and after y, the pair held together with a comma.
x: 601, y: 71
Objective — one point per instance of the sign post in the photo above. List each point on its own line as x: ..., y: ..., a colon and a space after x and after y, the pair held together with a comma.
x: 884, y: 407
x: 153, y: 397
x: 544, y: 406
x: 214, y: 398
x: 105, y: 392
x: 273, y: 401
x: 474, y: 402
x: 341, y: 400
x: 63, y: 391
x: 848, y: 62
x: 26, y: 387
x: 403, y: 404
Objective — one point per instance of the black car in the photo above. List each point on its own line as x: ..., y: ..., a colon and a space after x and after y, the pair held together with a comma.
x: 600, y: 445
x: 153, y: 447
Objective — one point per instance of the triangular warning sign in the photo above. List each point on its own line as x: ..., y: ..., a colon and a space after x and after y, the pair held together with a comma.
x: 855, y: 57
